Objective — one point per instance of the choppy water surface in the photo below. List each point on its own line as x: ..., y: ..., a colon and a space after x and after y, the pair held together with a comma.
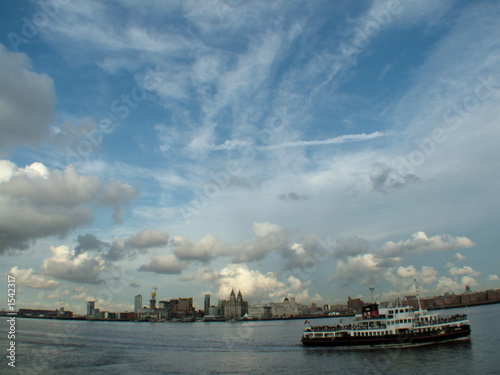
x: 81, y: 347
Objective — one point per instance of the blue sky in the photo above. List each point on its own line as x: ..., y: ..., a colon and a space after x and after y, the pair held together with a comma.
x: 296, y: 148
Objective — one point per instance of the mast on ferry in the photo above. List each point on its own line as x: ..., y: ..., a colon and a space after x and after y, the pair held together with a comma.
x: 418, y: 297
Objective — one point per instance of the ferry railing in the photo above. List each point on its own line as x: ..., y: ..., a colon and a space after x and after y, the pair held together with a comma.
x: 451, y: 319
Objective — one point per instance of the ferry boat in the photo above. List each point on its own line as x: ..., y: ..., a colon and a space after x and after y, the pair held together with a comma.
x: 398, y: 326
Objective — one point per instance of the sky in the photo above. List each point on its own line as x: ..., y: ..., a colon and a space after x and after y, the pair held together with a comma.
x: 286, y: 148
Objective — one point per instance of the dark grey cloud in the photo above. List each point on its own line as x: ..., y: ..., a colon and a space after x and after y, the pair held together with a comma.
x: 348, y: 247
x: 88, y: 242
x: 293, y: 196
x: 120, y: 248
x: 387, y: 179
x: 27, y: 100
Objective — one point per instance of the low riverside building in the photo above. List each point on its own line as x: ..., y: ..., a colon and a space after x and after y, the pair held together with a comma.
x: 37, y: 313
x: 260, y: 311
x: 288, y: 308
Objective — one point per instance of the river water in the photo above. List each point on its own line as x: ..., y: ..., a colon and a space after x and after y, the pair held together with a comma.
x: 272, y: 347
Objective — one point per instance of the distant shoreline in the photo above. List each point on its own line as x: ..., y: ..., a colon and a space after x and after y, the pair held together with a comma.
x: 305, y: 317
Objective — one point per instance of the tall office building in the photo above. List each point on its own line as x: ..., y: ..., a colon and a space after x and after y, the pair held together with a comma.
x: 137, y: 303
x: 90, y: 308
x: 207, y: 304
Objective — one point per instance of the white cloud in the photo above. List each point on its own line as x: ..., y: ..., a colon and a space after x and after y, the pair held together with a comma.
x: 363, y: 268
x: 146, y: 238
x: 420, y: 242
x: 203, y: 250
x: 268, y: 238
x: 255, y: 286
x: 405, y: 272
x: 493, y: 278
x: 164, y: 264
x: 37, y: 202
x: 30, y: 278
x: 65, y: 265
x: 465, y: 270
x: 459, y: 257
x: 330, y: 141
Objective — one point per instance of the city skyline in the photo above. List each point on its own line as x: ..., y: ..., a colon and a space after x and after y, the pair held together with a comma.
x: 280, y: 148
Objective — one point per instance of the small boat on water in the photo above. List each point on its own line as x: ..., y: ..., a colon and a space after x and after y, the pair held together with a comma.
x: 398, y: 326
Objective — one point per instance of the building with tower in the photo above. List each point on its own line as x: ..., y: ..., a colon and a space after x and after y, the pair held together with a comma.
x: 236, y: 307
x: 152, y: 301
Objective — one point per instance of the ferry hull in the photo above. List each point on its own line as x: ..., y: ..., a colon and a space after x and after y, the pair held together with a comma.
x: 401, y: 340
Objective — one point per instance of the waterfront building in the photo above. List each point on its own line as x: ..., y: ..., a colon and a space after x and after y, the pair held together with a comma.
x: 60, y: 313
x: 90, y: 308
x: 260, y: 311
x: 213, y: 311
x: 337, y: 308
x: 152, y: 301
x: 127, y: 316
x: 137, y: 302
x: 181, y: 307
x: 206, y: 305
x: 236, y: 307
x: 147, y: 314
x: 164, y: 309
x: 355, y: 305
x: 286, y: 309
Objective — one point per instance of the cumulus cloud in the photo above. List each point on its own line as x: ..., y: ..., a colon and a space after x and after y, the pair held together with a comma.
x: 202, y: 250
x: 66, y: 265
x: 458, y: 257
x: 454, y: 285
x: 37, y: 202
x: 465, y: 270
x: 122, y: 248
x: 405, y: 272
x: 147, y: 238
x: 164, y: 264
x: 256, y: 286
x: 88, y: 242
x: 362, y: 268
x: 420, y: 243
x: 358, y: 262
x: 115, y: 194
x: 30, y: 278
x: 493, y: 278
x: 27, y: 102
x: 267, y: 238
x: 348, y: 247
x: 403, y: 279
